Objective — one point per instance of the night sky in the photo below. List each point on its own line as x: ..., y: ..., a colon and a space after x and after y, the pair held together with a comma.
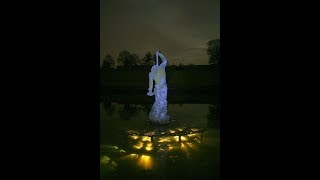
x: 180, y: 29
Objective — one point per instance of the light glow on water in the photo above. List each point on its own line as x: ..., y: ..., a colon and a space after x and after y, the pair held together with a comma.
x: 134, y: 137
x: 145, y: 162
x: 164, y: 139
x: 139, y: 145
x: 149, y: 147
x: 146, y: 138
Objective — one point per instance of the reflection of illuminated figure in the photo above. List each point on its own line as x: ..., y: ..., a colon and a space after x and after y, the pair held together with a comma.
x: 158, y: 112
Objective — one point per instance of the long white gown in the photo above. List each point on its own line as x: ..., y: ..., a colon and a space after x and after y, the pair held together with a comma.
x: 158, y: 112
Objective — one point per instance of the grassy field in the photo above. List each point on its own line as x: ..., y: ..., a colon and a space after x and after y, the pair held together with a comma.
x: 177, y: 79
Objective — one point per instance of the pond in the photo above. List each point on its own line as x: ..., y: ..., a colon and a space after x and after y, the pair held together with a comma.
x: 133, y: 148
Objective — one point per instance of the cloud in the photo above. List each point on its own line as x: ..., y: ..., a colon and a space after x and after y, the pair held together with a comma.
x: 180, y: 29
x: 195, y: 49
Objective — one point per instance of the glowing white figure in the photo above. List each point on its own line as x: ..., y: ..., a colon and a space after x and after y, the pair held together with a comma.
x: 158, y: 112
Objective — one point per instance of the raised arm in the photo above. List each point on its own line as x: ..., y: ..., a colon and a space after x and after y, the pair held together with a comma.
x: 164, y: 60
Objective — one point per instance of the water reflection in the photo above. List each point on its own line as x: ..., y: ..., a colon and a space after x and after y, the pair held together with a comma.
x: 146, y: 108
x: 135, y: 148
x: 108, y: 105
x: 128, y: 111
x: 145, y: 162
x: 213, y: 116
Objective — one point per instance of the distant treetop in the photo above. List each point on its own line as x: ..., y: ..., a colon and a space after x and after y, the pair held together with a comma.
x: 213, y: 51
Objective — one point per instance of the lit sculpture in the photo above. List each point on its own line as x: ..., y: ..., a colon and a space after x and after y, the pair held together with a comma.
x: 158, y: 112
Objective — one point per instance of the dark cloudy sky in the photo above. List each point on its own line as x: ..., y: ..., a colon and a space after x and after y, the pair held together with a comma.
x: 180, y: 29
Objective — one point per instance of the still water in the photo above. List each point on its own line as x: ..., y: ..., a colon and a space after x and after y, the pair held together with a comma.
x: 133, y: 148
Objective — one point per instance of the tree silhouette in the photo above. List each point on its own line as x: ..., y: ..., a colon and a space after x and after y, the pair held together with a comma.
x: 108, y: 61
x: 135, y: 58
x: 213, y: 51
x: 148, y: 60
x: 127, y: 59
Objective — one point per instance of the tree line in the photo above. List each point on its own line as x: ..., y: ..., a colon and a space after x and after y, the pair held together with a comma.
x: 128, y: 59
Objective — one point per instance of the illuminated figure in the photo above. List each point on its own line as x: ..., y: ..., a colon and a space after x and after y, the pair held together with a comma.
x: 158, y: 112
